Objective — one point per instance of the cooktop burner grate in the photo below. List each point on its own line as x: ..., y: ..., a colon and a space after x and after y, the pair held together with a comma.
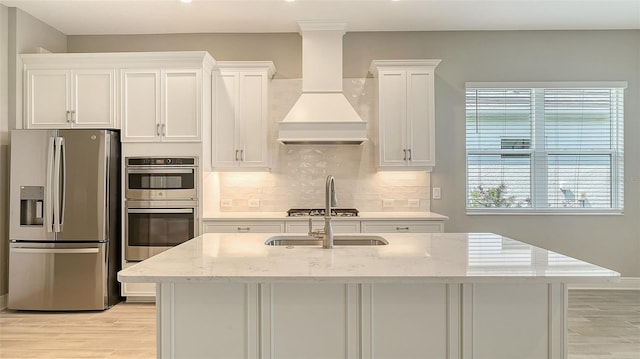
x: 336, y: 212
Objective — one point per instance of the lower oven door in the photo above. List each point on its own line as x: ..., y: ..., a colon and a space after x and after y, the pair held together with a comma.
x: 152, y: 227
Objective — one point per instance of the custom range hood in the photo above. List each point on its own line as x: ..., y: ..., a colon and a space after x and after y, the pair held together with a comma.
x: 322, y: 115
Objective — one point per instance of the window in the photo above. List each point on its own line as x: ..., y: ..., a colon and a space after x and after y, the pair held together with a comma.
x: 544, y: 147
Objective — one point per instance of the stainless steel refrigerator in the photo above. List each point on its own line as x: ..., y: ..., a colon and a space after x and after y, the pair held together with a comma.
x: 64, y: 218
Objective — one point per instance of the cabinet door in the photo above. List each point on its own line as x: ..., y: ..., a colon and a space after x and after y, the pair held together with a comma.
x: 244, y: 227
x: 181, y: 100
x: 420, y: 118
x: 393, y: 90
x: 48, y: 98
x: 94, y: 99
x: 224, y: 122
x: 402, y: 226
x: 253, y: 119
x: 140, y: 105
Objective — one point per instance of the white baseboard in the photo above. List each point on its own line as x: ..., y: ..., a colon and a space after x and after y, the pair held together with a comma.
x: 3, y: 301
x: 626, y: 283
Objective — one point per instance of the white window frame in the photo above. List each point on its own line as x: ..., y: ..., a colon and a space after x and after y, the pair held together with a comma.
x: 539, y: 155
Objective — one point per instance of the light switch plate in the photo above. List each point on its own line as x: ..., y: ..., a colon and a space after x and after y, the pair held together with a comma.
x: 254, y: 203
x: 387, y: 203
x: 226, y: 203
x: 414, y: 202
x: 437, y: 193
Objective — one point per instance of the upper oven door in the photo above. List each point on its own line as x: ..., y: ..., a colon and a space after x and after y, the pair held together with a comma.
x: 160, y: 183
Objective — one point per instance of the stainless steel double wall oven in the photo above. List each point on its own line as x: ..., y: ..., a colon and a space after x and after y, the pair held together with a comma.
x: 161, y: 204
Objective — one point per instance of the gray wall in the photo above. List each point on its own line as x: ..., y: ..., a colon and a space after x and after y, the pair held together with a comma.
x: 611, y: 241
x: 19, y: 33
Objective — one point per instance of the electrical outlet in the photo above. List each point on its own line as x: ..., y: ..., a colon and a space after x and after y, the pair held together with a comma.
x: 254, y: 203
x: 387, y: 203
x: 437, y: 193
x: 414, y: 203
x: 226, y: 203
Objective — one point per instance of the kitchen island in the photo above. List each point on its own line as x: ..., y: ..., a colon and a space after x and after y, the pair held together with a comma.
x: 427, y: 295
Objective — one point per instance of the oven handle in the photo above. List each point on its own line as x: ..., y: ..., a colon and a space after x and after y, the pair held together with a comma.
x: 160, y: 210
x: 160, y: 170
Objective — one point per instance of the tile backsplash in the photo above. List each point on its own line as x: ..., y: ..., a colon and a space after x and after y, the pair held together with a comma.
x: 298, y: 174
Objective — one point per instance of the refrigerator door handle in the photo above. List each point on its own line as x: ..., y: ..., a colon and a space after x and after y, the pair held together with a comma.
x: 56, y: 250
x: 63, y: 173
x: 48, y: 197
x: 56, y: 186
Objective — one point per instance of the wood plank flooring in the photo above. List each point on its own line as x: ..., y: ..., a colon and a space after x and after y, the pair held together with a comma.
x: 602, y: 325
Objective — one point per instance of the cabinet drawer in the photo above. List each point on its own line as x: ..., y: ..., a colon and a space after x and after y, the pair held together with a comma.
x: 244, y: 227
x: 338, y: 226
x: 402, y: 226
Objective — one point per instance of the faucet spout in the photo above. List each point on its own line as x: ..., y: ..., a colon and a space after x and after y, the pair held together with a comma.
x: 331, y: 200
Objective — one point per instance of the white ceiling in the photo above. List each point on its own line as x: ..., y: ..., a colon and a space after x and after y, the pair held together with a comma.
x: 76, y: 17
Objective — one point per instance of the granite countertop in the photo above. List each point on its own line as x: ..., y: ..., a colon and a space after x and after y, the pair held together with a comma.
x: 408, y: 258
x: 362, y: 215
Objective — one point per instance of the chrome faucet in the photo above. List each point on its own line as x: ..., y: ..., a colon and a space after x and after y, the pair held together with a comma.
x: 331, y: 200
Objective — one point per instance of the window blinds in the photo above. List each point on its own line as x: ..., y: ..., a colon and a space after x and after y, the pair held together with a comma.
x: 543, y: 147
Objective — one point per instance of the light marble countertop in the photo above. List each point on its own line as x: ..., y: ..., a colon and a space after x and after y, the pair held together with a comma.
x: 408, y: 258
x: 362, y: 215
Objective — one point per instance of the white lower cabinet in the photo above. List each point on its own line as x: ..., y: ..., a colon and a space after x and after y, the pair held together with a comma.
x: 241, y: 226
x: 338, y: 226
x: 137, y: 292
x: 379, y: 226
x: 362, y: 320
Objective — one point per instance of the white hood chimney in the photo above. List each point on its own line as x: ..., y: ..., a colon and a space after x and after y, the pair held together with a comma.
x: 322, y: 115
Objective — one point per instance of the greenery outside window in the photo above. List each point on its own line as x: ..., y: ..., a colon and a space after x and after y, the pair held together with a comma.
x: 545, y: 147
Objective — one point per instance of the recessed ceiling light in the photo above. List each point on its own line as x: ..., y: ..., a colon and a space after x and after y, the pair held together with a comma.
x: 289, y: 0
x: 185, y: 1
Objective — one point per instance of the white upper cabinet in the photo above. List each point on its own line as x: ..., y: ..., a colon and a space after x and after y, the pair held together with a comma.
x: 161, y: 105
x: 167, y: 103
x: 239, y: 131
x: 140, y: 104
x: 68, y: 97
x: 406, y: 114
x: 151, y: 96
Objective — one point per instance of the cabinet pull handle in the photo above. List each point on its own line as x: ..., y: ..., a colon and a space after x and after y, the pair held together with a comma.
x: 157, y: 129
x: 409, y: 150
x: 244, y: 229
x: 68, y: 116
x: 402, y: 228
x: 164, y: 129
x: 242, y: 155
x: 236, y: 158
x: 405, y: 155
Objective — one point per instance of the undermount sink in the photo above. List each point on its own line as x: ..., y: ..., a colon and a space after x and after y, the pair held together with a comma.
x: 341, y: 240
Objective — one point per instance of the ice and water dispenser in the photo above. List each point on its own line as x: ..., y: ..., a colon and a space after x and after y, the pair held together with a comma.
x: 31, y: 205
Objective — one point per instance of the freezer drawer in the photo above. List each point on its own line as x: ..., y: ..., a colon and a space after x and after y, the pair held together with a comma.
x: 58, y: 276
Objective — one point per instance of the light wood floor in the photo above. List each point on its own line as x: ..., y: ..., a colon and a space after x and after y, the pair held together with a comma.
x: 602, y: 325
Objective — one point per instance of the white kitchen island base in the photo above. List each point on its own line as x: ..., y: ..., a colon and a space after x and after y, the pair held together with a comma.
x: 426, y: 295
x: 327, y: 320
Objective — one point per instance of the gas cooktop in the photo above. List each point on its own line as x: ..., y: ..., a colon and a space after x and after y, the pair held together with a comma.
x: 336, y: 212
